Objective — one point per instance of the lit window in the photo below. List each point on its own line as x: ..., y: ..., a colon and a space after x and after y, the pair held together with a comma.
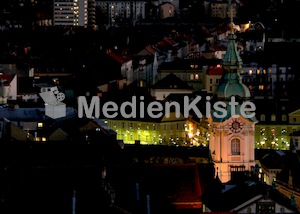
x: 273, y: 117
x: 262, y: 117
x: 191, y: 76
x: 250, y: 71
x: 196, y: 76
x: 235, y: 146
x: 261, y: 87
x: 283, y: 131
x: 40, y: 125
x: 43, y: 139
x: 258, y: 71
x: 273, y: 132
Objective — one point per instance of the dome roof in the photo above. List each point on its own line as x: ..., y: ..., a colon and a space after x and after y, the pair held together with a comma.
x: 226, y: 90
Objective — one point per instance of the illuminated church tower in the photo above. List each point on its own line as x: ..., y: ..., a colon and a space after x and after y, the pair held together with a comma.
x: 232, y: 136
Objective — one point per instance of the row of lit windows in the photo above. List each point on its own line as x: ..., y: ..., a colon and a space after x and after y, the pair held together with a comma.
x: 147, y: 126
x: 273, y: 117
x: 264, y: 71
x: 272, y: 131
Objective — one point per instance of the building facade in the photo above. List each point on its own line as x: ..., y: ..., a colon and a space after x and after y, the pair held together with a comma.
x: 70, y: 13
x: 232, y: 136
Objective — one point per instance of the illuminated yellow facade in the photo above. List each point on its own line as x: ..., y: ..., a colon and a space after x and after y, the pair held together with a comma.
x: 179, y: 131
x: 277, y: 136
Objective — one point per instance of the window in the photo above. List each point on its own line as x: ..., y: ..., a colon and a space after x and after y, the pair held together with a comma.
x: 210, y: 81
x: 294, y: 120
x: 165, y: 127
x: 40, y: 125
x: 196, y: 76
x: 283, y: 117
x: 296, y: 142
x: 191, y: 76
x: 273, y: 132
x: 265, y: 207
x: 273, y: 117
x: 262, y: 117
x: 235, y: 146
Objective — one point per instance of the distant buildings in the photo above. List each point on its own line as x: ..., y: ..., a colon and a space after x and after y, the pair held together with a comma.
x: 118, y: 11
x: 71, y: 13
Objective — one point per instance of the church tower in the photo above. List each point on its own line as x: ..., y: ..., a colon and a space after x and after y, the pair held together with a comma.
x: 232, y: 135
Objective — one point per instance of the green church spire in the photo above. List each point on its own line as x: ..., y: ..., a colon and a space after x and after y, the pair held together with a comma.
x: 232, y: 59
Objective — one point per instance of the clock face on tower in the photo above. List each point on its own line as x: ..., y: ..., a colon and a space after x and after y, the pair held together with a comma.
x: 235, y: 125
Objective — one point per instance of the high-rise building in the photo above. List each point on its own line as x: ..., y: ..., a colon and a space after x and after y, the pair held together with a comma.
x: 117, y: 11
x: 70, y: 13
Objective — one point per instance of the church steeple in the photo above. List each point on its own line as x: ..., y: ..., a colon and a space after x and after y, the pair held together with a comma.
x: 231, y: 81
x: 232, y: 60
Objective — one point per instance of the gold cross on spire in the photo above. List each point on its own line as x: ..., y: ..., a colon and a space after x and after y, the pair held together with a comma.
x: 231, y: 13
x: 231, y: 25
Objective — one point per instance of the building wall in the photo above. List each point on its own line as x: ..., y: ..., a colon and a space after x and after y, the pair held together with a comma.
x: 168, y: 131
x: 161, y: 94
x: 274, y: 135
x: 167, y: 10
x: 287, y: 191
x: 124, y: 10
x: 220, y: 144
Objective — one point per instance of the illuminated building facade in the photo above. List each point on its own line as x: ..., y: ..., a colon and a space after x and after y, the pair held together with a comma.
x: 171, y: 131
x: 70, y: 13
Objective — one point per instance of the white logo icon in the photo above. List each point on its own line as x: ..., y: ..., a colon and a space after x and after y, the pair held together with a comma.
x: 54, y: 107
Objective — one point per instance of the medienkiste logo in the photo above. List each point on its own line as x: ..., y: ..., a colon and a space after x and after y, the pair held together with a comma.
x: 54, y: 107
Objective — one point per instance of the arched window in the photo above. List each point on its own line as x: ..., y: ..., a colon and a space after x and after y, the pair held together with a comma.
x: 235, y: 146
x: 262, y: 117
x: 284, y: 118
x: 273, y: 117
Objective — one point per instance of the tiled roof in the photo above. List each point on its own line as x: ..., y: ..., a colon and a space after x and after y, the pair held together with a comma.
x: 150, y: 49
x: 169, y: 41
x: 7, y: 78
x: 215, y: 70
x: 171, y: 81
x: 116, y: 57
x: 178, y: 183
